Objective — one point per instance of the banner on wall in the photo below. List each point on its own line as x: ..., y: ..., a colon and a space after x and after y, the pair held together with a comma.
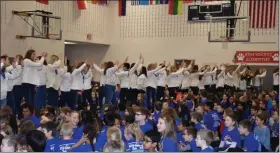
x: 257, y: 56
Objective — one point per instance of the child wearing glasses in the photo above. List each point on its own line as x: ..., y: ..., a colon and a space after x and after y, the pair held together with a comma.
x: 151, y: 141
x: 141, y: 117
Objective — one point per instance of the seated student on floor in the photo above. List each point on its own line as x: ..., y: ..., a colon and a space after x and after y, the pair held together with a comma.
x: 168, y: 141
x: 8, y: 144
x: 66, y: 141
x: 204, y: 139
x: 151, y: 141
x: 134, y: 138
x: 27, y: 111
x: 190, y: 136
x: 110, y: 120
x: 250, y: 143
x: 49, y: 129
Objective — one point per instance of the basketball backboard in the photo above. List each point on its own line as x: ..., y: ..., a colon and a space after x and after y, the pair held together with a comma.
x: 222, y: 29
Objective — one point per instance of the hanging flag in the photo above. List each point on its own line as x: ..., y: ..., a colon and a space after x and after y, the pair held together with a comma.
x: 122, y: 7
x: 144, y: 2
x: 175, y: 7
x: 43, y: 1
x: 262, y: 13
x: 170, y: 7
x: 82, y: 4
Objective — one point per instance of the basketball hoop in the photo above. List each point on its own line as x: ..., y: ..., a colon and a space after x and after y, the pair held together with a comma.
x: 225, y: 38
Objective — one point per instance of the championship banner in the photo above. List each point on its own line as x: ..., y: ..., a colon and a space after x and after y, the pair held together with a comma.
x: 257, y: 56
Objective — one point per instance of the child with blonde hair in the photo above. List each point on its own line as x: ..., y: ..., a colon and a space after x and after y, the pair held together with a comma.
x: 114, y: 143
x: 134, y: 138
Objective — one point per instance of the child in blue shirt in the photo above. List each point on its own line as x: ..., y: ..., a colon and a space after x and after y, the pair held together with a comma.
x: 141, y: 117
x: 275, y: 131
x: 151, y: 141
x: 230, y: 135
x: 225, y: 103
x: 134, y: 138
x: 250, y: 143
x: 27, y: 110
x: 190, y: 136
x: 49, y: 130
x: 168, y: 141
x: 262, y: 132
x: 78, y: 129
x: 203, y: 140
x: 196, y: 118
x: 157, y: 112
x: 110, y: 120
x: 86, y: 142
x: 66, y: 141
x: 180, y: 133
x: 211, y: 119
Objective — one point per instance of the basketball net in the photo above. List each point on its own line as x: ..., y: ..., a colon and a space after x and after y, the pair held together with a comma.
x: 225, y: 41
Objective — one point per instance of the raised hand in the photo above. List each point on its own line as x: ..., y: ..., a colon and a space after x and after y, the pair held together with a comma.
x: 140, y: 56
x: 126, y: 59
x: 86, y: 61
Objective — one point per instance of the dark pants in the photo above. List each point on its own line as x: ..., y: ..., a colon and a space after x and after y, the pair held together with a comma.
x: 151, y: 94
x: 29, y: 93
x: 132, y: 96
x: 18, y: 95
x: 40, y: 97
x: 101, y: 95
x: 10, y: 100
x: 220, y: 89
x: 172, y: 92
x: 124, y: 96
x: 87, y: 96
x: 52, y: 97
x: 160, y: 93
x: 195, y: 90
x: 65, y: 99
x: 276, y: 88
x: 76, y: 99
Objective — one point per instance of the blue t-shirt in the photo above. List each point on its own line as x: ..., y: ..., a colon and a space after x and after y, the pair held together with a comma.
x: 275, y: 130
x: 83, y: 148
x: 146, y: 127
x: 194, y: 147
x: 78, y: 132
x: 101, y: 140
x: 156, y: 116
x: 35, y: 120
x: 64, y: 145
x: 180, y: 138
x: 209, y: 149
x: 134, y: 146
x: 225, y: 104
x: 199, y: 126
x: 231, y: 136
x: 50, y: 144
x: 169, y: 145
x: 211, y: 120
x: 250, y: 143
x: 189, y: 104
